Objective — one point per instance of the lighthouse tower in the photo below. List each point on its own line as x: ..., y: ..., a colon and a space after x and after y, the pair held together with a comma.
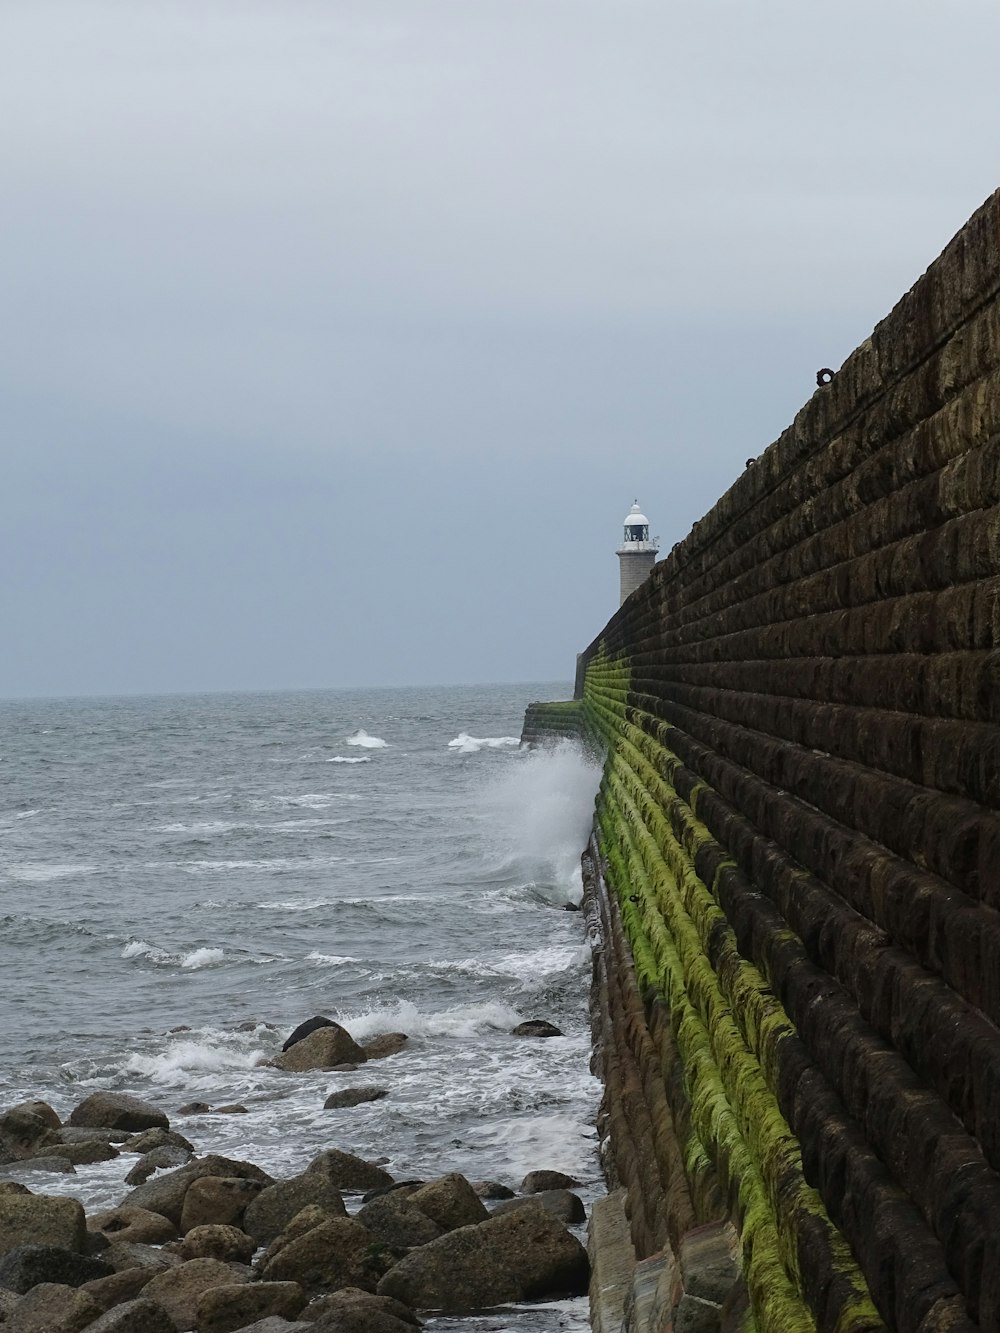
x: 637, y: 553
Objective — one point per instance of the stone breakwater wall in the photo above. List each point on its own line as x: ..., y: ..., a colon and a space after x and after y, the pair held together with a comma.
x: 794, y: 879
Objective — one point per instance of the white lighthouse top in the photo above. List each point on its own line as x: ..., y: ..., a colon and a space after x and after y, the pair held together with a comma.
x: 636, y: 516
x: 637, y: 539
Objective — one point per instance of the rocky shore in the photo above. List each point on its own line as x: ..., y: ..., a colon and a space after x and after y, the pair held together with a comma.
x: 209, y: 1244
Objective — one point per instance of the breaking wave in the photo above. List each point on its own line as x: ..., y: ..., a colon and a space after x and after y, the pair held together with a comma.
x: 466, y: 744
x: 367, y: 742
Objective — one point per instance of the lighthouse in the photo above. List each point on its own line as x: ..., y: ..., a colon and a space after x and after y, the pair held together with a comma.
x: 637, y: 553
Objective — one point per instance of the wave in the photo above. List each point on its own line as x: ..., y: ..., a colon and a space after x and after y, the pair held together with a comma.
x: 367, y: 742
x: 461, y: 1021
x: 466, y: 744
x: 194, y: 958
x: 38, y: 872
x: 349, y: 759
x: 213, y: 1054
x: 331, y: 959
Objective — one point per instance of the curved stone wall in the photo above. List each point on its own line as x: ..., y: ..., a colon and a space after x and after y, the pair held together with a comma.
x: 797, y: 842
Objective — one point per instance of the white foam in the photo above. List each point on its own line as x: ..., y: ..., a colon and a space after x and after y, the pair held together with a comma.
x: 202, y: 957
x: 213, y: 1055
x: 194, y: 958
x: 330, y: 959
x: 466, y: 744
x: 367, y: 742
x: 462, y: 1021
x: 349, y: 759
x: 38, y: 872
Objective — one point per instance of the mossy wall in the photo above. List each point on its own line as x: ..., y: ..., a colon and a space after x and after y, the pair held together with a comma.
x: 796, y: 860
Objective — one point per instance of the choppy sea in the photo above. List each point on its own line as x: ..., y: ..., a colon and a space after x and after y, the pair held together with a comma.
x: 185, y: 879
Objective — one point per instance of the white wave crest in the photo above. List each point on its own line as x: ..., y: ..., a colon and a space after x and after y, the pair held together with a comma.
x: 194, y: 958
x: 212, y: 1055
x: 466, y: 744
x: 202, y: 958
x: 38, y: 872
x: 330, y: 959
x: 351, y: 759
x: 462, y: 1021
x: 367, y: 742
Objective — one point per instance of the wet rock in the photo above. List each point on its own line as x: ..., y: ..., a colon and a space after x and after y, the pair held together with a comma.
x: 218, y: 1200
x: 53, y: 1308
x: 272, y: 1210
x: 398, y: 1186
x: 526, y: 1255
x: 179, y: 1289
x: 159, y: 1159
x: 451, y: 1202
x: 117, y: 1110
x: 216, y: 1241
x: 125, y: 1255
x: 307, y: 1028
x: 41, y: 1219
x: 83, y: 1153
x: 385, y: 1044
x: 227, y: 1309
x: 151, y: 1139
x: 194, y: 1108
x: 327, y: 1046
x: 233, y: 1108
x: 491, y: 1189
x: 536, y: 1027
x: 354, y: 1097
x: 535, y: 1181
x: 29, y: 1265
x: 351, y: 1174
x: 340, y: 1252
x: 350, y: 1299
x: 165, y: 1193
x: 22, y: 1130
x: 121, y: 1287
x: 135, y: 1316
x: 132, y: 1226
x: 41, y: 1109
x: 398, y: 1222
x: 93, y: 1134
x: 563, y: 1204
x: 58, y: 1165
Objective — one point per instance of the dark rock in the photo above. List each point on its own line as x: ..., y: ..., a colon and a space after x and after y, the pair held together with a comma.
x: 125, y: 1285
x: 567, y: 1207
x: 41, y: 1109
x: 53, y: 1308
x: 358, y: 1320
x: 526, y: 1255
x: 353, y: 1298
x: 83, y: 1153
x: 491, y: 1189
x: 22, y: 1130
x: 194, y: 1108
x: 451, y: 1202
x: 354, y: 1097
x: 351, y: 1174
x: 180, y: 1289
x: 571, y: 907
x: 307, y: 1028
x: 340, y: 1252
x: 125, y: 1255
x: 217, y: 1241
x: 226, y: 1309
x: 218, y: 1200
x: 398, y: 1222
x: 57, y: 1165
x: 117, y: 1110
x: 159, y: 1159
x: 41, y: 1219
x: 536, y: 1181
x: 151, y: 1139
x: 165, y: 1193
x: 400, y: 1186
x: 328, y: 1046
x: 96, y: 1134
x: 535, y: 1027
x: 271, y: 1211
x: 29, y: 1265
x: 232, y: 1109
x: 132, y: 1226
x: 385, y: 1044
x: 134, y: 1316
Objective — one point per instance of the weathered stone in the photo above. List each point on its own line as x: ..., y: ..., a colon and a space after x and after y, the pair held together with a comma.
x: 340, y: 1252
x: 351, y: 1174
x: 232, y: 1108
x: 354, y: 1299
x: 227, y: 1309
x: 536, y: 1181
x: 218, y: 1200
x: 451, y: 1202
x: 194, y: 1108
x: 125, y: 1255
x: 165, y: 1193
x: 491, y: 1189
x: 322, y: 1049
x: 151, y: 1139
x: 710, y: 1261
x: 385, y: 1044
x: 271, y: 1211
x: 23, y: 1129
x: 29, y: 1165
x: 41, y: 1109
x: 526, y: 1255
x: 536, y: 1027
x: 562, y: 1204
x: 41, y: 1219
x: 134, y: 1316
x: 180, y: 1289
x: 121, y: 1286
x: 398, y: 1222
x: 53, y: 1308
x: 356, y: 1319
x: 132, y: 1225
x: 306, y: 1029
x: 78, y: 1154
x: 164, y: 1158
x: 354, y: 1097
x: 29, y: 1265
x: 117, y: 1110
x: 217, y: 1241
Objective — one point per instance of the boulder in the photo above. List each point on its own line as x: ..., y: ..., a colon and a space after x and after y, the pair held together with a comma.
x: 535, y: 1181
x: 310, y: 1216
x: 22, y: 1130
x: 340, y: 1252
x: 451, y: 1202
x: 273, y: 1324
x: 41, y: 1109
x: 324, y: 1048
x: 29, y: 1265
x: 92, y: 1134
x: 491, y: 1189
x: 132, y: 1226
x: 358, y: 1320
x: 536, y: 1027
x: 52, y: 1308
x: 387, y: 1043
x: 164, y: 1158
x: 194, y: 1108
x: 180, y: 1289
x: 165, y: 1193
x: 134, y: 1316
x: 351, y: 1174
x: 226, y: 1309
x: 397, y: 1187
x: 218, y: 1199
x: 234, y: 1108
x: 83, y: 1153
x: 227, y: 1243
x: 120, y: 1287
x: 354, y: 1097
x: 353, y: 1298
x: 156, y: 1138
x: 563, y: 1204
x: 125, y: 1255
x: 117, y: 1110
x: 525, y: 1255
x: 271, y: 1211
x: 41, y: 1219
x: 397, y: 1222
x: 56, y: 1165
x: 307, y: 1028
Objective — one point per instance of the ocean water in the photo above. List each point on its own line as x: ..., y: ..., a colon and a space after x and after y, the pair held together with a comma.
x: 185, y: 879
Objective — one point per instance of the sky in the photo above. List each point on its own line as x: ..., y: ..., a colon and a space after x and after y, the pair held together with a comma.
x: 340, y: 335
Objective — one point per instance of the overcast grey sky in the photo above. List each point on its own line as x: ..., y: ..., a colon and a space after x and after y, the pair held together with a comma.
x: 339, y: 336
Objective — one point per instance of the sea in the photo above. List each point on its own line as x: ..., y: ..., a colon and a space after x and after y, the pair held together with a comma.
x: 185, y: 879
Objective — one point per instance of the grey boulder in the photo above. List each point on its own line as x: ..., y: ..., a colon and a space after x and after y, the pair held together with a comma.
x: 117, y: 1110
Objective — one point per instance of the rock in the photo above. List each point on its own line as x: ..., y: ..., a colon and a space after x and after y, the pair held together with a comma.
x: 387, y: 1043
x: 562, y: 1204
x: 344, y: 1069
x: 117, y: 1110
x: 233, y: 1109
x: 165, y: 1193
x: 327, y: 1046
x: 52, y: 1308
x: 194, y: 1108
x: 535, y: 1027
x: 41, y: 1219
x: 135, y: 1316
x: 397, y: 1187
x: 489, y: 1189
x: 273, y: 1324
x: 351, y: 1174
x: 451, y: 1202
x: 125, y: 1255
x: 180, y: 1289
x: 156, y: 1138
x: 13, y: 1187
x: 159, y: 1159
x: 535, y: 1181
x: 218, y: 1200
x: 353, y: 1298
x: 272, y: 1210
x: 79, y: 1154
x: 22, y: 1129
x: 58, y: 1165
x: 306, y: 1029
x: 340, y: 1252
x: 311, y: 1216
x: 397, y: 1222
x: 132, y: 1226
x: 120, y: 1287
x: 354, y: 1097
x: 226, y: 1309
x: 525, y: 1255
x: 41, y: 1109
x: 29, y: 1265
x: 357, y: 1320
x: 227, y: 1243
x: 92, y: 1134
